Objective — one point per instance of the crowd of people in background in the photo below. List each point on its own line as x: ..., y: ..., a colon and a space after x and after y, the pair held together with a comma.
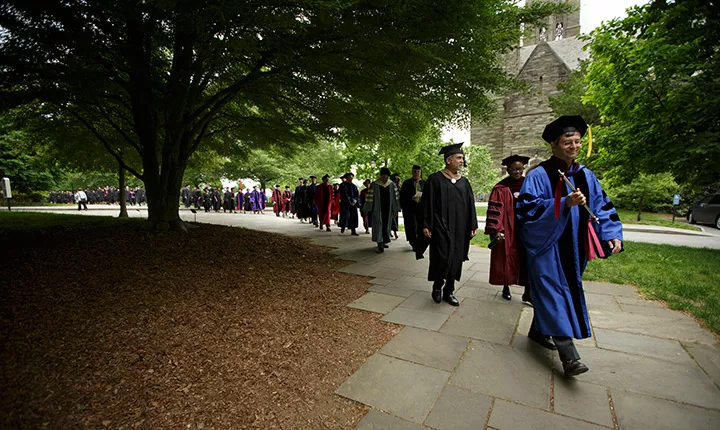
x: 107, y: 195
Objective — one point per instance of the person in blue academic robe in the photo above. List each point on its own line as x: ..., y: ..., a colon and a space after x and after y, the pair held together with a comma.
x: 255, y: 200
x: 560, y: 236
x: 349, y: 199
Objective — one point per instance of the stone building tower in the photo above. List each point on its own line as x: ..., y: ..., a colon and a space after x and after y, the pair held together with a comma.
x: 545, y: 59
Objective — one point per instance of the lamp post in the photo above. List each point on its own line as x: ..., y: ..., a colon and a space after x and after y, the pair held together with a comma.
x: 373, y: 164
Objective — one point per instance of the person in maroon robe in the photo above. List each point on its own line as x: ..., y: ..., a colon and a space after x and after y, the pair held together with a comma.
x: 323, y: 199
x: 286, y: 202
x: 507, y: 260
x: 277, y: 200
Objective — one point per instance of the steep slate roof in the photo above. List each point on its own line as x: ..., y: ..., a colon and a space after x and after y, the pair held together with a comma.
x: 569, y: 51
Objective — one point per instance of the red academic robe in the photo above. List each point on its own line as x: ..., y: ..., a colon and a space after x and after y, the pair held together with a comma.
x: 507, y: 259
x: 287, y: 198
x: 277, y: 201
x: 336, y: 203
x: 323, y: 199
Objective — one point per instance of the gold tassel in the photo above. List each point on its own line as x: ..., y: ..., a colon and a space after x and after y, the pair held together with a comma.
x: 589, y: 142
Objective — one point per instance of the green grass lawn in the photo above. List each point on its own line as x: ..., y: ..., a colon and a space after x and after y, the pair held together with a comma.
x: 30, y: 221
x: 685, y: 278
x: 647, y: 218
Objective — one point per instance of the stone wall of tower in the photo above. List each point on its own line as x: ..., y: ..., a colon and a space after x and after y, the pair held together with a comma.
x: 570, y: 23
x: 522, y: 115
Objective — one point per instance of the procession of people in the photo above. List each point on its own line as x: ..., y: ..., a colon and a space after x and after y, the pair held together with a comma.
x: 544, y: 223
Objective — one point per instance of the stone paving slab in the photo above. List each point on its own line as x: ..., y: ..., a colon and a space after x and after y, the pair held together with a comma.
x: 416, y: 318
x: 511, y: 416
x: 393, y: 291
x: 476, y: 293
x: 359, y: 269
x: 459, y: 409
x: 392, y: 273
x: 653, y: 311
x: 376, y: 420
x: 639, y: 302
x: 376, y: 302
x: 413, y: 283
x: 680, y: 327
x: 612, y: 289
x: 429, y: 348
x: 404, y: 389
x: 638, y: 412
x: 642, y: 345
x: 505, y: 372
x: 673, y: 381
x: 483, y: 320
x: 577, y: 399
x: 602, y: 301
x: 422, y: 301
x: 379, y: 281
x: 708, y: 357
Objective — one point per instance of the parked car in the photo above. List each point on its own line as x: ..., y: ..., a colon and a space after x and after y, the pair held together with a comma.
x: 706, y: 211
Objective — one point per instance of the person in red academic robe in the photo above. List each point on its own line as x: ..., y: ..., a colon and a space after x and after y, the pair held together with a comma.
x: 287, y: 200
x: 277, y: 200
x: 507, y: 259
x: 323, y: 199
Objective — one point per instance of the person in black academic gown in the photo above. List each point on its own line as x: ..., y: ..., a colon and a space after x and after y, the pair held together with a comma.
x: 410, y: 194
x: 299, y: 200
x: 310, y: 200
x: 449, y: 222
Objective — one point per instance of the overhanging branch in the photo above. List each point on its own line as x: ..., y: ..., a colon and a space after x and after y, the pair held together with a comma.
x: 104, y: 141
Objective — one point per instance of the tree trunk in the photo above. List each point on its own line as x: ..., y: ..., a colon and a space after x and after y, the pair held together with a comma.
x: 163, y: 197
x: 640, y: 205
x: 123, y: 196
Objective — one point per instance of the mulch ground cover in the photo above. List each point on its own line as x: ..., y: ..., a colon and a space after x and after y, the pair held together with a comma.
x: 216, y: 328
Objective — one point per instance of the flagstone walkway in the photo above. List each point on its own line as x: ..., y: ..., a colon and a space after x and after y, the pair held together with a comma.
x: 472, y: 367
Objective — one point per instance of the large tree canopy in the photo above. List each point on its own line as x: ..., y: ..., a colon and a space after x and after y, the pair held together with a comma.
x: 159, y: 78
x: 654, y: 78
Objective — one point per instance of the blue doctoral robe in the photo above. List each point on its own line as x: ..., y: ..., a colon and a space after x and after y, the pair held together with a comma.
x: 255, y: 200
x: 556, y: 256
x: 349, y: 213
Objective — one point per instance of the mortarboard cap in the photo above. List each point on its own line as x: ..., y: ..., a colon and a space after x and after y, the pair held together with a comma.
x: 562, y: 125
x: 513, y: 159
x: 416, y: 167
x: 312, y: 177
x: 384, y: 171
x: 325, y: 176
x: 301, y: 179
x: 453, y: 149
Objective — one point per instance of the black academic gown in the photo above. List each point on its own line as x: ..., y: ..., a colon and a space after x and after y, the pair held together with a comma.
x: 449, y: 213
x: 412, y: 211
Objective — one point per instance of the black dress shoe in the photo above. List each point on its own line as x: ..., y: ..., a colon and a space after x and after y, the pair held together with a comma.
x: 380, y: 248
x: 527, y: 299
x: 506, y: 293
x: 574, y: 368
x: 437, y: 296
x: 342, y: 230
x: 542, y: 340
x: 450, y: 298
x: 385, y: 245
